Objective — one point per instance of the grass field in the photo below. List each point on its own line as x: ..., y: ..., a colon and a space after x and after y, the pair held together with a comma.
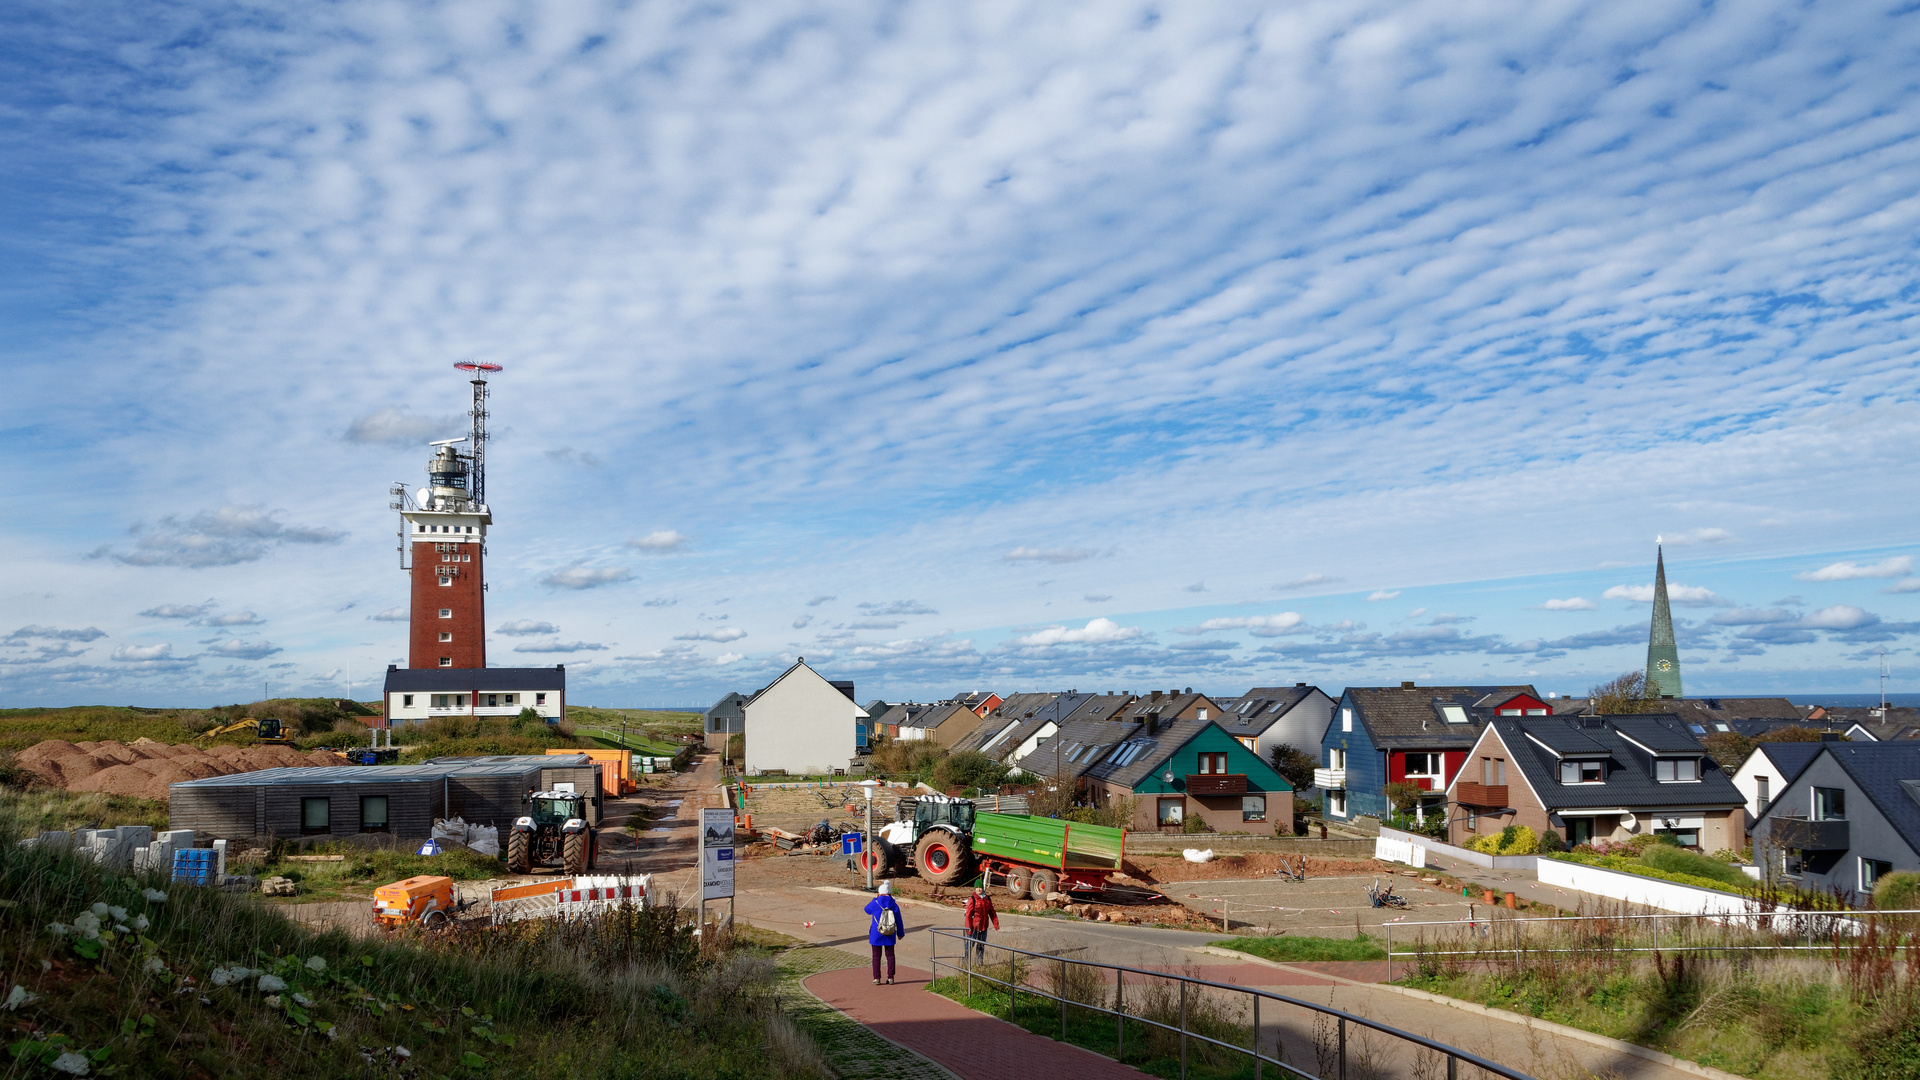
x: 361, y: 871
x: 40, y: 809
x: 1298, y: 949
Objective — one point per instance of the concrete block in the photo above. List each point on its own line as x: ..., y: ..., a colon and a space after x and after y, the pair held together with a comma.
x: 220, y: 859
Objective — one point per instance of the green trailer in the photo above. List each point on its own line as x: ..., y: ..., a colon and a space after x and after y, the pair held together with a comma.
x: 1035, y: 856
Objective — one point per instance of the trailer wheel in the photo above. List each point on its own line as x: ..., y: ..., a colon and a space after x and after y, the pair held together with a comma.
x: 1044, y: 882
x: 1017, y: 882
x: 518, y: 861
x: 434, y: 920
x: 941, y: 860
x: 575, y: 853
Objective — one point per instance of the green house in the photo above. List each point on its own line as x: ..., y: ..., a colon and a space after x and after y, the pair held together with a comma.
x: 1174, y: 770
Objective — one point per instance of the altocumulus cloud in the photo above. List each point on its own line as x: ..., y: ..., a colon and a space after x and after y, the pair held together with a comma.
x: 134, y: 654
x: 1571, y: 603
x: 1898, y: 566
x: 559, y: 647
x: 1050, y: 555
x: 1682, y: 595
x: 1096, y: 632
x: 584, y: 577
x: 241, y: 650
x: 54, y: 633
x: 897, y: 607
x: 663, y: 542
x: 223, y: 537
x: 392, y: 614
x: 1287, y: 622
x: 178, y: 611
x: 526, y: 627
x: 396, y: 427
x: 725, y: 633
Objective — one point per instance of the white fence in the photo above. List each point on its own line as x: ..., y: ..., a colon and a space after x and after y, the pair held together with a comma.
x: 1475, y: 858
x: 1638, y: 889
x: 1392, y: 850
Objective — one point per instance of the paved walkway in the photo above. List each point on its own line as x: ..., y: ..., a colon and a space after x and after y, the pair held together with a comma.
x: 971, y: 1044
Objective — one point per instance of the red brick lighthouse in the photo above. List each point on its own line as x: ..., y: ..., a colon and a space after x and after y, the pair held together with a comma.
x: 444, y: 536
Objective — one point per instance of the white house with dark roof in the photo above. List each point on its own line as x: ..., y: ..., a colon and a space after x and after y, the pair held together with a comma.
x: 1851, y: 816
x: 801, y: 724
x: 416, y: 695
x: 1266, y: 718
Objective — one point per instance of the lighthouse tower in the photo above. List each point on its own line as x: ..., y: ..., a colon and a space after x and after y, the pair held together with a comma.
x: 443, y: 539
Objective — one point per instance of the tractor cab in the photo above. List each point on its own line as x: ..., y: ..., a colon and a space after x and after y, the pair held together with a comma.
x: 932, y: 810
x: 554, y: 829
x: 555, y: 808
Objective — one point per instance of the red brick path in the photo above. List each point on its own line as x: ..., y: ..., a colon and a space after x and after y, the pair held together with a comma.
x: 973, y: 1045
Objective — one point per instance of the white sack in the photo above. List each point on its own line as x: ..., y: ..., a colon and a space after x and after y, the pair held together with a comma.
x: 1197, y: 855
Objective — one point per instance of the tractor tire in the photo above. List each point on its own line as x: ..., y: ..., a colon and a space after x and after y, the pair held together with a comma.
x: 1042, y: 883
x: 574, y: 856
x: 1017, y: 882
x: 593, y: 848
x: 518, y: 860
x: 941, y: 859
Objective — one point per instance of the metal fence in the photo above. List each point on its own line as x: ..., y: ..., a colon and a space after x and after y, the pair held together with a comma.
x: 1490, y: 937
x: 959, y: 965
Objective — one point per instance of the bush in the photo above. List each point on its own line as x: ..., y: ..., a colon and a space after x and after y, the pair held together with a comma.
x: 1194, y: 823
x: 968, y: 769
x: 1512, y: 840
x: 1676, y: 860
x: 1551, y: 842
x: 1899, y: 891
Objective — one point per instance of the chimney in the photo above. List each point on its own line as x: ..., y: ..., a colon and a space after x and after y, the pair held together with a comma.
x: 1155, y: 697
x: 1408, y: 685
x: 1299, y: 685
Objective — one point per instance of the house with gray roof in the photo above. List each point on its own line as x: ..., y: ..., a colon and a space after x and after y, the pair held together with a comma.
x: 1767, y: 772
x: 1595, y: 778
x: 1075, y: 748
x: 1266, y: 718
x: 1172, y: 770
x: 1850, y: 817
x: 1407, y: 734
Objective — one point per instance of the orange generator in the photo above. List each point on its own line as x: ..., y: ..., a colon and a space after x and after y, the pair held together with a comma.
x: 616, y: 769
x: 426, y: 900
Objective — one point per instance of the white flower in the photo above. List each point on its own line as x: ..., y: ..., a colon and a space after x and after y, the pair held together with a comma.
x: 272, y: 983
x: 402, y: 1052
x: 141, y: 922
x: 100, y: 909
x: 119, y: 914
x: 302, y: 999
x: 154, y: 896
x: 317, y: 963
x: 87, y: 925
x: 19, y: 997
x: 120, y: 928
x: 59, y: 929
x: 71, y: 1063
x: 273, y: 1001
x: 154, y: 965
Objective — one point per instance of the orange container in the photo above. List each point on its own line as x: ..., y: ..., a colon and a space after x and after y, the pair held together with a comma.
x: 425, y: 899
x: 616, y: 769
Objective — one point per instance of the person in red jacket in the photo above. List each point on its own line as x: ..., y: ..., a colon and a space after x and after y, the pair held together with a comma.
x: 979, y: 913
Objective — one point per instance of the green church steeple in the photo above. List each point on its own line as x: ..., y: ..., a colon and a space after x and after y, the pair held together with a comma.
x: 1663, y: 658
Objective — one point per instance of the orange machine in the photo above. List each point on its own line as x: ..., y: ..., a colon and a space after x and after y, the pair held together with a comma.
x: 426, y: 900
x: 616, y: 769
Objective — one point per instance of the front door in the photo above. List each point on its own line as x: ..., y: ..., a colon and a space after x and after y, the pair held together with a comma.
x: 1579, y: 831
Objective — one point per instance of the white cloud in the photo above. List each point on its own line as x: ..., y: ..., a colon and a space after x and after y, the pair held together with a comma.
x: 235, y: 649
x: 818, y: 600
x: 727, y: 658
x: 1287, y: 622
x: 554, y: 646
x: 396, y: 427
x: 1096, y: 632
x: 582, y: 577
x: 137, y: 653
x: 663, y: 542
x: 725, y: 633
x: 223, y: 537
x: 1839, y: 617
x: 1571, y: 603
x: 178, y: 611
x: 54, y: 633
x: 800, y: 622
x: 526, y: 628
x: 898, y: 607
x: 1050, y: 555
x: 1897, y: 566
x: 1678, y: 595
x: 1383, y: 594
x: 392, y: 614
x: 235, y: 618
x: 1904, y: 585
x: 1699, y: 536
x: 1306, y: 581
x: 1416, y: 613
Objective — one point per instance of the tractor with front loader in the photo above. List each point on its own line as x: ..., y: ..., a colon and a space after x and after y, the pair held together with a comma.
x: 554, y: 830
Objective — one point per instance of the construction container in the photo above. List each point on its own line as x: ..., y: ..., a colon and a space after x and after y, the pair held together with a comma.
x: 426, y: 899
x: 1047, y: 851
x: 616, y: 769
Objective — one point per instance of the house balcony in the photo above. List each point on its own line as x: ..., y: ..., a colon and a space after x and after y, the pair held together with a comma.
x: 1481, y: 796
x: 1811, y: 835
x: 1426, y: 783
x: 1216, y: 783
x: 1330, y: 779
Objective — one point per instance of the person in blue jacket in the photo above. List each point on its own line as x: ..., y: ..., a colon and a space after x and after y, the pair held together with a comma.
x: 888, y: 926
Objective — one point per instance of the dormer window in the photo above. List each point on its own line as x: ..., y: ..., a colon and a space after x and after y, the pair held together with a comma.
x: 1676, y: 770
x: 1582, y: 772
x: 1453, y: 714
x: 1510, y: 712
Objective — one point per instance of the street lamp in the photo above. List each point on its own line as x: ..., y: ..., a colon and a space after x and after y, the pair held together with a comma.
x: 867, y: 846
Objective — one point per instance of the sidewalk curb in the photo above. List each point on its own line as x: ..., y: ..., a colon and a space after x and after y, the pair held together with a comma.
x: 1708, y: 1072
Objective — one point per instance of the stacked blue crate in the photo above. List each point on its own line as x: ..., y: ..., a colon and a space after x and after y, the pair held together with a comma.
x: 195, y: 866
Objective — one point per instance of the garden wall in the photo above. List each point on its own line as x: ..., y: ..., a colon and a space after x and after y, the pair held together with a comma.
x: 1636, y: 889
x: 1438, y: 847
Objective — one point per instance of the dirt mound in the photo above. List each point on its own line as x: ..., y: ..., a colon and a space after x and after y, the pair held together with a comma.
x: 145, y: 767
x: 1157, y: 868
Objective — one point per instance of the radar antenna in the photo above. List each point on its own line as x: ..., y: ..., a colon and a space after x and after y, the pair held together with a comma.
x: 477, y: 489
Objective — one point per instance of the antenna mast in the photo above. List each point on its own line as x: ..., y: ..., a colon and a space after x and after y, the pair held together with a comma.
x: 477, y: 487
x: 1883, y: 682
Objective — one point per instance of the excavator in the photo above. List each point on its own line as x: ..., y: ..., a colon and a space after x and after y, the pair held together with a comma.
x: 267, y: 730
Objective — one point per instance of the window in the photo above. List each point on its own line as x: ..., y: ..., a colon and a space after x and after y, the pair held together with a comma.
x: 420, y: 528
x: 1346, y: 719
x: 539, y: 699
x: 373, y: 813
x: 445, y: 581
x: 1173, y: 811
x: 1582, y: 772
x: 1253, y: 808
x: 446, y: 661
x: 1509, y: 712
x: 1676, y: 770
x: 1688, y: 837
x: 1248, y: 743
x: 1829, y: 804
x: 1765, y: 791
x: 1871, y: 871
x: 316, y: 815
x: 1212, y: 763
x: 446, y: 613
x: 1537, y: 712
x: 1473, y: 821
x: 1453, y: 714
x: 446, y: 635
x: 445, y: 557
x: 406, y: 701
x: 1337, y: 803
x: 1579, y: 831
x: 1424, y: 764
x: 509, y: 698
x: 1493, y: 772
x: 440, y: 701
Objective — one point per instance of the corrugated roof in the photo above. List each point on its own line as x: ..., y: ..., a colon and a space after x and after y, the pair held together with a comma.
x: 1128, y: 769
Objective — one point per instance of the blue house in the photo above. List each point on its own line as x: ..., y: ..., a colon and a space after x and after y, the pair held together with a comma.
x: 1417, y: 735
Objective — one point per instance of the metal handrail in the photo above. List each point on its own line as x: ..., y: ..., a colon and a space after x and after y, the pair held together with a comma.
x: 1454, y: 1055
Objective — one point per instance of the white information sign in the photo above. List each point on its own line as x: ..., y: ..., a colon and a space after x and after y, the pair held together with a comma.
x: 716, y: 854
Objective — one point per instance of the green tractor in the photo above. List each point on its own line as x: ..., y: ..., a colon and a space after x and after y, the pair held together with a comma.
x: 554, y: 830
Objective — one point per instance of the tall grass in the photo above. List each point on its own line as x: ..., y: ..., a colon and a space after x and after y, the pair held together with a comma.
x: 38, y: 808
x: 629, y: 994
x: 1844, y: 1005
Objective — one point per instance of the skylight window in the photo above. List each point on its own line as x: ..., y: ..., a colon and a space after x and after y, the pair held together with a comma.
x: 1697, y: 729
x: 1453, y: 714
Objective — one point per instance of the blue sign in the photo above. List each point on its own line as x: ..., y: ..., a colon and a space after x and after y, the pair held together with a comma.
x: 851, y: 843
x: 431, y: 847
x: 725, y: 854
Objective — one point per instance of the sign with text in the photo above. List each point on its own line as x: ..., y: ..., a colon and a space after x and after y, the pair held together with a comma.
x: 716, y: 854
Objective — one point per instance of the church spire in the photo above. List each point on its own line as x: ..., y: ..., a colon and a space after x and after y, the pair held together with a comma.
x: 1663, y: 658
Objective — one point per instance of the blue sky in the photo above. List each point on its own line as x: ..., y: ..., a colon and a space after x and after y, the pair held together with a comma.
x: 1009, y: 345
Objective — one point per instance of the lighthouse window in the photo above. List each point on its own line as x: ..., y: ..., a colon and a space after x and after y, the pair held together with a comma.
x: 446, y: 613
x: 446, y: 661
x: 446, y: 635
x: 446, y: 581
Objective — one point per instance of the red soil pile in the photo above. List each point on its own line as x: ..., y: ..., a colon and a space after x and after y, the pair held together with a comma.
x: 144, y: 768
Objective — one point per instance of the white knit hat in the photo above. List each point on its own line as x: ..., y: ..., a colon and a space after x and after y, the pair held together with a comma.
x: 886, y: 888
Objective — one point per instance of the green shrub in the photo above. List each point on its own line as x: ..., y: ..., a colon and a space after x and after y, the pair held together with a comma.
x: 1512, y: 840
x: 1677, y: 860
x: 1551, y: 842
x: 1628, y: 865
x: 968, y: 769
x: 1898, y: 891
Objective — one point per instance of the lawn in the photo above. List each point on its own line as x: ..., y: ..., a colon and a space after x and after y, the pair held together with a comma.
x: 1302, y: 949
